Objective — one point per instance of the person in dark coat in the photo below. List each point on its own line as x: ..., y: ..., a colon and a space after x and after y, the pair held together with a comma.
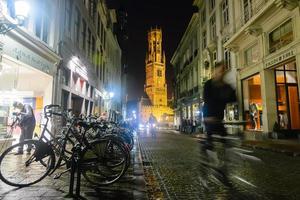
x: 216, y: 95
x: 26, y: 123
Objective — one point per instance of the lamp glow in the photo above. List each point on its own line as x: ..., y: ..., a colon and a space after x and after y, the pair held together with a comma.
x: 21, y: 9
x: 111, y: 94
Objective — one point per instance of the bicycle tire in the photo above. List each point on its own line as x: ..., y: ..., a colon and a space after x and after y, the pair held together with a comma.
x: 97, y: 170
x: 9, y: 156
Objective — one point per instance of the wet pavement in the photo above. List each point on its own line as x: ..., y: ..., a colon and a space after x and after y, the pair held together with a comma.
x: 177, y: 162
x: 131, y: 186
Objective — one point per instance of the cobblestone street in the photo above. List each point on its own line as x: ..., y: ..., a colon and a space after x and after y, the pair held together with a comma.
x: 131, y: 186
x: 175, y: 160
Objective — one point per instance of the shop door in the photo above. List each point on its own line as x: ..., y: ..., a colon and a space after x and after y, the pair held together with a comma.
x: 76, y: 104
x: 288, y: 107
x: 294, y: 106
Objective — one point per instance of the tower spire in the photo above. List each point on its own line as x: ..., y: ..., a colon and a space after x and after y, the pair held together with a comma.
x: 155, y: 86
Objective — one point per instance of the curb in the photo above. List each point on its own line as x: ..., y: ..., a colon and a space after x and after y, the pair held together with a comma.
x: 276, y: 150
x: 139, y: 191
x: 254, y: 146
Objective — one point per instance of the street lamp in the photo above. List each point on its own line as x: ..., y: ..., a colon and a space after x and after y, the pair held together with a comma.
x: 111, y: 95
x: 21, y: 10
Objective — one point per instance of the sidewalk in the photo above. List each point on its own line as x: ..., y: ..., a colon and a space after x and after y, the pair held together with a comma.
x: 131, y: 186
x: 290, y: 147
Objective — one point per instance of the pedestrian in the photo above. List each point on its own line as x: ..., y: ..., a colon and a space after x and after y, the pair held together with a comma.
x: 194, y: 126
x: 216, y: 95
x: 26, y: 123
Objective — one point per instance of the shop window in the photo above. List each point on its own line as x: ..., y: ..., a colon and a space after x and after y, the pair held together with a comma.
x: 281, y: 36
x: 291, y: 77
x: 288, y: 107
x: 252, y: 55
x: 252, y: 102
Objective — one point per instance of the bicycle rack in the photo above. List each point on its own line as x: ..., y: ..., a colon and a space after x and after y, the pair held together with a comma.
x: 75, y: 168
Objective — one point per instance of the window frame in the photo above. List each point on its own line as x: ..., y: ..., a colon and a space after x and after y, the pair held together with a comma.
x: 251, y: 47
x: 213, y: 28
x: 279, y: 27
x: 225, y: 12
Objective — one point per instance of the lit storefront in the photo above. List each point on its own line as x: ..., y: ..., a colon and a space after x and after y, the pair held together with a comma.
x: 288, y: 107
x: 25, y: 76
x: 252, y: 102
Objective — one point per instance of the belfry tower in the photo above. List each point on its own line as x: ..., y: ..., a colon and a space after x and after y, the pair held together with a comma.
x: 155, y: 86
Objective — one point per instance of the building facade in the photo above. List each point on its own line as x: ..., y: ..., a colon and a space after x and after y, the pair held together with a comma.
x: 189, y: 75
x: 200, y: 48
x: 259, y: 42
x: 64, y: 52
x: 265, y: 40
x: 91, y: 69
x: 28, y: 59
x: 155, y: 84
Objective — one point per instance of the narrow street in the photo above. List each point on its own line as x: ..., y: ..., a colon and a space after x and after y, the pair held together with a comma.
x: 175, y: 160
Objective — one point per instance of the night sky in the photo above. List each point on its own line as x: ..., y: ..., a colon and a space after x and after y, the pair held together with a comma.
x: 173, y: 17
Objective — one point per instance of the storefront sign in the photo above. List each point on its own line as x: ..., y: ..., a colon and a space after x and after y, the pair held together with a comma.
x: 25, y: 55
x: 280, y: 58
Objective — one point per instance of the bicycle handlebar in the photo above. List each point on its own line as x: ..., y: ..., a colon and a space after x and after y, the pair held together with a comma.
x: 47, y: 111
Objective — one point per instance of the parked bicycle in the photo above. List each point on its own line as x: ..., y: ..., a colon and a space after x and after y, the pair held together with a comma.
x: 102, y: 160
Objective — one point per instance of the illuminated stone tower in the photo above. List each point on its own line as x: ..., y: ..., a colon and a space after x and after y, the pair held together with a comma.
x: 156, y: 87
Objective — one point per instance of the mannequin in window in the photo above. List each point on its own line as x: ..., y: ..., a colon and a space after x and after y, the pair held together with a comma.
x: 253, y: 115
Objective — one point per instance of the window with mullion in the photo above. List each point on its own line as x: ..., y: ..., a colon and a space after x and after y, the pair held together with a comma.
x: 83, y: 34
x: 247, y: 5
x: 212, y: 4
x: 227, y: 59
x: 204, y: 40
x: 99, y: 26
x: 77, y: 26
x: 281, y: 36
x: 225, y: 13
x: 89, y: 42
x: 42, y: 20
x: 203, y: 16
x: 68, y: 15
x: 213, y: 27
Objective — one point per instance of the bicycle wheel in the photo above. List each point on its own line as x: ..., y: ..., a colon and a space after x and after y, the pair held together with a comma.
x: 63, y: 150
x: 28, y: 168
x: 105, y: 162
